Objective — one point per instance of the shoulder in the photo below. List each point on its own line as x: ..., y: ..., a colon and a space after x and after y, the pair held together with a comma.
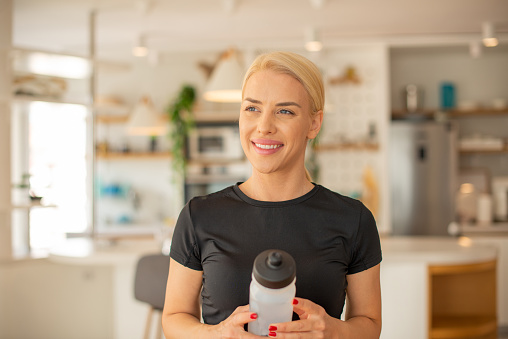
x: 334, y: 199
x: 213, y: 201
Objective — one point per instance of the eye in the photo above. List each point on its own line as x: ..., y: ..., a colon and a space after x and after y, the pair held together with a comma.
x: 251, y: 109
x: 286, y: 111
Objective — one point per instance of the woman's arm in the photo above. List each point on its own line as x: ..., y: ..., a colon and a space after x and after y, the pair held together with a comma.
x: 181, y: 314
x: 363, y: 304
x: 363, y: 313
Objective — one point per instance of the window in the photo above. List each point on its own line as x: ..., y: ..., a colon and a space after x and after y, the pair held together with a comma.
x: 50, y: 168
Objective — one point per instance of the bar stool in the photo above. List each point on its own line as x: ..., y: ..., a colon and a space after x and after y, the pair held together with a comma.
x: 150, y: 286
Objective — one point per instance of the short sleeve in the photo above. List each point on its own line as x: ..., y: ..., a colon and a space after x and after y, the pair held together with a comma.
x: 184, y: 247
x: 366, y: 251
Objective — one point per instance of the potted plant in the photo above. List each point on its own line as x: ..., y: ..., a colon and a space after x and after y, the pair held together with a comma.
x: 181, y: 121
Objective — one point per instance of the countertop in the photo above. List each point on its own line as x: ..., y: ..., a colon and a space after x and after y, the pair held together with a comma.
x: 428, y: 250
x: 435, y: 250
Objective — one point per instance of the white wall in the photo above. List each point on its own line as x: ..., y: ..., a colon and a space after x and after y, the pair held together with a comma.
x: 350, y: 109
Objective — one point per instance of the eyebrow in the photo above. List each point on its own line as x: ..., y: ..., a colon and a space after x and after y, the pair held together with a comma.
x: 285, y: 103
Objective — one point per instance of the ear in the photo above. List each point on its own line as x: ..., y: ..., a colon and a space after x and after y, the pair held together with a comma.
x: 315, y: 127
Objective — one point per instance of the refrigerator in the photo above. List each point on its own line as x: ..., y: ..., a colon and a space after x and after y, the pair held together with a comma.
x: 423, y: 176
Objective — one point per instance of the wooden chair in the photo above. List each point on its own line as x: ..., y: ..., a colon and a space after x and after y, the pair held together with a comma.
x: 150, y: 286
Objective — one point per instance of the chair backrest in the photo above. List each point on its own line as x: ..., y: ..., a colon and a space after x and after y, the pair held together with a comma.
x: 150, y: 279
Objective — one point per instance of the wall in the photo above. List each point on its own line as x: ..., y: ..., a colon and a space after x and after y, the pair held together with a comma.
x: 351, y: 109
x: 5, y: 142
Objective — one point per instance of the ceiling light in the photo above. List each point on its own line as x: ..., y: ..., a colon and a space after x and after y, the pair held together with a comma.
x: 312, y: 41
x: 317, y: 4
x: 140, y: 50
x: 225, y: 83
x: 146, y: 120
x: 489, y: 35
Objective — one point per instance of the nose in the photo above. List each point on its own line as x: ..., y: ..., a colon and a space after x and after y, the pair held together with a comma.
x: 266, y: 124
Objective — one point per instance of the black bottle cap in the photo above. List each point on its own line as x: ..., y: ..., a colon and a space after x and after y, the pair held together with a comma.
x: 274, y: 269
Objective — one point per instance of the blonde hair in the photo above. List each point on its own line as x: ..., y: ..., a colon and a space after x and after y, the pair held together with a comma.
x: 298, y: 67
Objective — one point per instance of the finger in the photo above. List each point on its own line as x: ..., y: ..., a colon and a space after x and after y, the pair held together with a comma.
x: 242, y: 316
x: 239, y: 309
x: 305, y: 307
x: 297, y: 326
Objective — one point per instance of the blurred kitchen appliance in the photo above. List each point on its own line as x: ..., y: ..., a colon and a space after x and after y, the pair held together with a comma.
x: 204, y: 177
x: 423, y: 176
x: 413, y: 98
x: 215, y: 143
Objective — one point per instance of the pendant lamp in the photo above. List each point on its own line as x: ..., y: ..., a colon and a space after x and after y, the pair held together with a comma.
x: 146, y: 120
x: 225, y: 83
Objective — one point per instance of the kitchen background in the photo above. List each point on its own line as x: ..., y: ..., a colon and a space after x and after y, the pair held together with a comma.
x: 77, y: 172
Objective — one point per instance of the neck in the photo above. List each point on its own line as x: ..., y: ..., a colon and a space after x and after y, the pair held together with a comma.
x: 276, y: 187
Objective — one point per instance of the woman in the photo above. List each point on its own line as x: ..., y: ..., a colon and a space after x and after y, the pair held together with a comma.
x: 333, y: 239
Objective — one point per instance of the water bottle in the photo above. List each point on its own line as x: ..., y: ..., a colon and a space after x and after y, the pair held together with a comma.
x: 272, y: 290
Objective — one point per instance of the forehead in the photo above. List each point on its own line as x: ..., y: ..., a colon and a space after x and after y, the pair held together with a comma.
x: 271, y: 84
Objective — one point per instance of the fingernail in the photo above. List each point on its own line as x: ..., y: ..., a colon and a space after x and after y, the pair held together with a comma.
x: 272, y: 328
x: 272, y: 334
x: 254, y: 316
x: 295, y: 302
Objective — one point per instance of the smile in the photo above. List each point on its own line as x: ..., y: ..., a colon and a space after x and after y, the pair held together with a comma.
x: 262, y: 146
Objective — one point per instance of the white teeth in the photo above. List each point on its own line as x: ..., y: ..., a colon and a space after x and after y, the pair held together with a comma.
x: 267, y: 146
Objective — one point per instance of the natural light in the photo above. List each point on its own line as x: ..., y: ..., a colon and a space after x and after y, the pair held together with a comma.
x: 58, y: 171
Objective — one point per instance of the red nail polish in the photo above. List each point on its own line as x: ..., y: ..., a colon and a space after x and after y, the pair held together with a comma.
x: 272, y: 334
x: 254, y: 316
x: 295, y: 302
x: 272, y: 328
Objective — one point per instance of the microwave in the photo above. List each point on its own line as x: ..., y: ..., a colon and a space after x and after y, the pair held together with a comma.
x: 215, y: 143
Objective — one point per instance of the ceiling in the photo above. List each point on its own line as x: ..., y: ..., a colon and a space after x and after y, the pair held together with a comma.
x: 206, y: 25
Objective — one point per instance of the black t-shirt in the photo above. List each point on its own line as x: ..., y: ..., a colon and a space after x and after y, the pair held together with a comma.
x: 329, y: 236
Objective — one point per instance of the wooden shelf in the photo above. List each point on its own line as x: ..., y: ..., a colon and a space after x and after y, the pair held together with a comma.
x: 454, y: 113
x: 482, y: 112
x: 445, y: 327
x: 216, y: 117
x: 30, y: 98
x: 32, y: 205
x: 484, y: 151
x: 347, y: 147
x: 111, y: 118
x: 133, y: 155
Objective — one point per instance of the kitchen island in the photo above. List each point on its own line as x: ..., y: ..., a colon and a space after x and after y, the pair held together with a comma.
x: 97, y: 275
x: 438, y: 287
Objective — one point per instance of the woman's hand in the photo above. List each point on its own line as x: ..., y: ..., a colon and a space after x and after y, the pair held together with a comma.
x: 314, y: 323
x: 233, y: 326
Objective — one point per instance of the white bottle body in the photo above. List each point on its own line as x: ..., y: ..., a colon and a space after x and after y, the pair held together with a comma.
x: 271, y: 305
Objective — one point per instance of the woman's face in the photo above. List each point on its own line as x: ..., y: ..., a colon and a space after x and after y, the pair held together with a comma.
x: 276, y: 122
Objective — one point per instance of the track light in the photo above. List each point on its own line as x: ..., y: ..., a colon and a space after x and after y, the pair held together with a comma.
x: 140, y: 50
x: 489, y: 35
x: 312, y: 41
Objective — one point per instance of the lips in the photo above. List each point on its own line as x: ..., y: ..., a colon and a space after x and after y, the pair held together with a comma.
x: 266, y: 146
